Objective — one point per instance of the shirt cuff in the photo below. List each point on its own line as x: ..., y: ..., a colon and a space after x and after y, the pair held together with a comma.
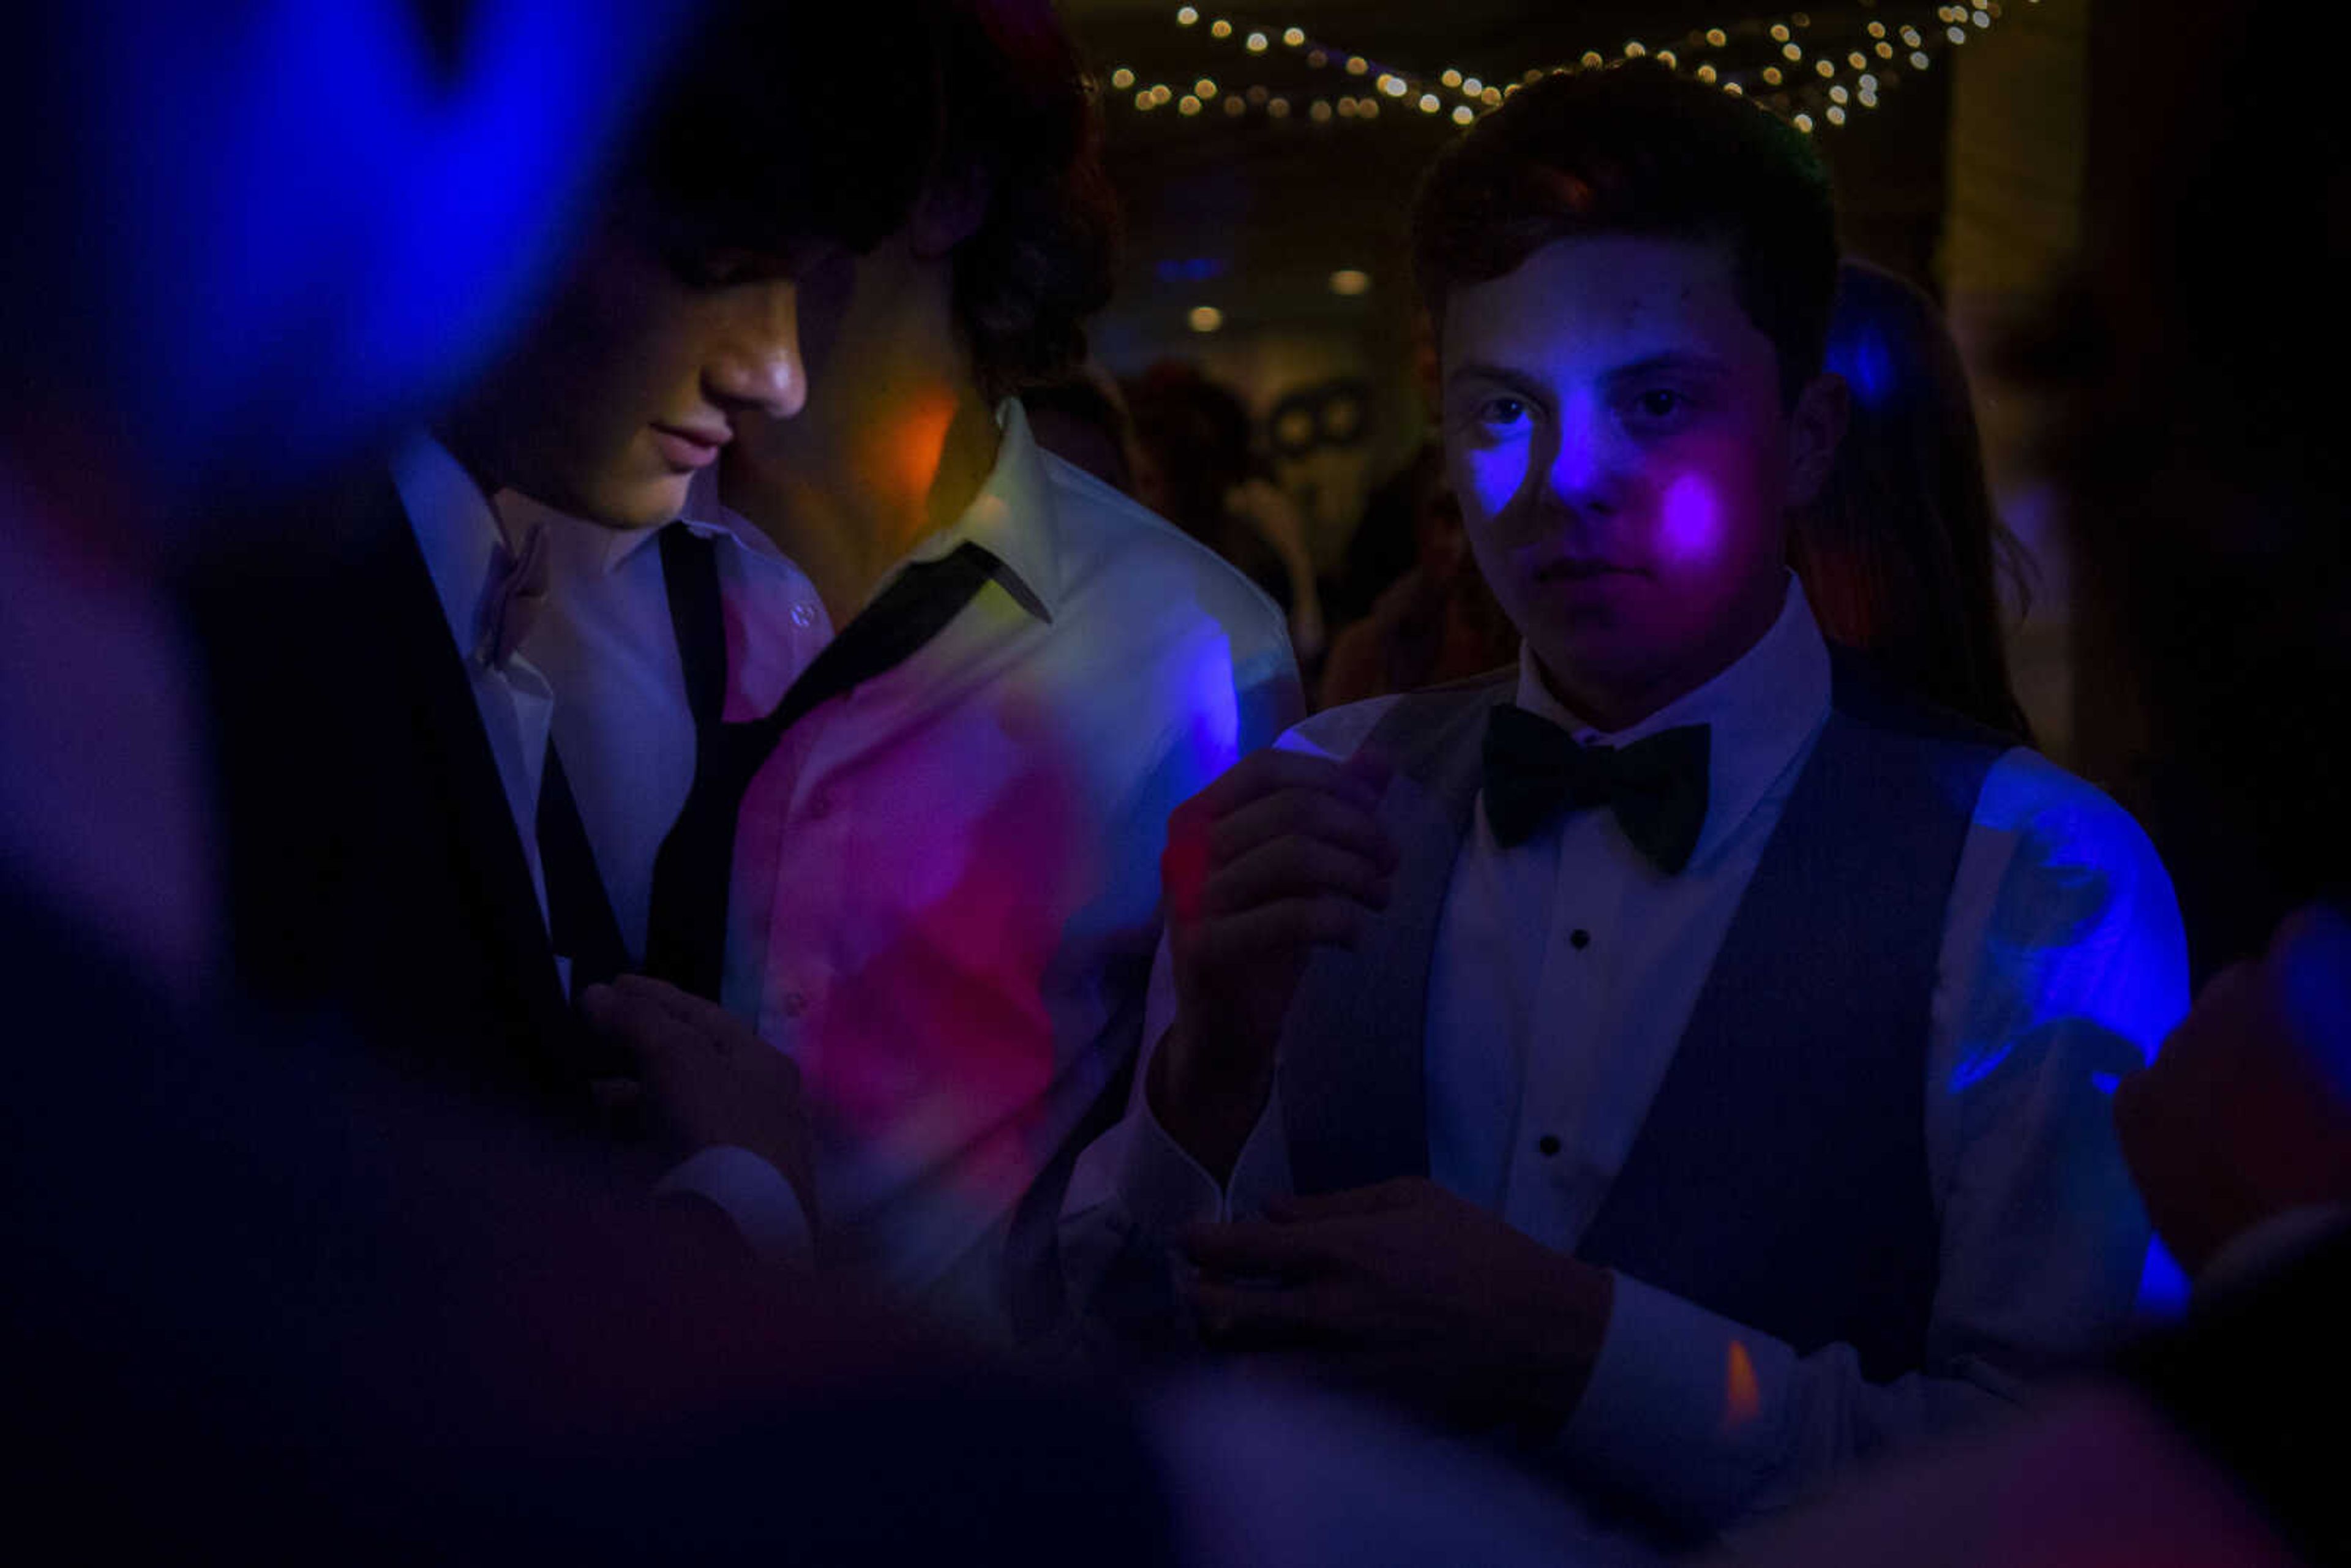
x: 1684, y: 1407
x: 1165, y: 1188
x: 752, y: 1194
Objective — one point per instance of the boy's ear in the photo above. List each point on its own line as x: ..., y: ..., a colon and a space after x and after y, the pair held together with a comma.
x: 1816, y: 427
x: 949, y: 212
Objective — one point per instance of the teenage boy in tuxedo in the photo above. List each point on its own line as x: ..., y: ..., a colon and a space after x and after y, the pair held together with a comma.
x: 1679, y: 1047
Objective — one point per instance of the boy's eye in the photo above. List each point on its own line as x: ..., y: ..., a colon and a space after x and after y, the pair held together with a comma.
x: 1660, y: 404
x: 1501, y: 411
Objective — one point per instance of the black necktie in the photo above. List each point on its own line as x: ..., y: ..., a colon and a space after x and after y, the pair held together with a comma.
x: 685, y: 939
x: 1657, y: 786
x: 580, y: 924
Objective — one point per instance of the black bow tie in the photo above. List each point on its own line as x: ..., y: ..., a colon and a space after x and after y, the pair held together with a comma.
x: 1657, y: 786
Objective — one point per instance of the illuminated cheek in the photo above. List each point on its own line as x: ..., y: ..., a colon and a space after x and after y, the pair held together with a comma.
x: 1690, y: 521
x: 1488, y: 480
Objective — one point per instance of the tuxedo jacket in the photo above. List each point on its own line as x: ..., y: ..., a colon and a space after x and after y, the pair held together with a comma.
x: 1780, y: 1177
x: 371, y: 861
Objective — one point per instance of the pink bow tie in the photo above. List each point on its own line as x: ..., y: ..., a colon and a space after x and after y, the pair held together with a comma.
x: 512, y: 600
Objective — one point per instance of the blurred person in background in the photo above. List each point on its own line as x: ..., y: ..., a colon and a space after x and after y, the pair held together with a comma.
x: 1902, y: 554
x: 1438, y: 622
x: 1082, y: 419
x: 876, y: 737
x: 1383, y: 547
x: 2202, y: 493
x: 1195, y: 465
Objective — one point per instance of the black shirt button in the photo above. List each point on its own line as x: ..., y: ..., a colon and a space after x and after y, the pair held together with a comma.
x: 1547, y: 1143
x: 1579, y: 939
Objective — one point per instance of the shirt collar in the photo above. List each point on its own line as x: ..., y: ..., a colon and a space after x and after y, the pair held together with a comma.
x: 1011, y: 519
x: 703, y: 514
x: 1761, y: 712
x: 456, y: 527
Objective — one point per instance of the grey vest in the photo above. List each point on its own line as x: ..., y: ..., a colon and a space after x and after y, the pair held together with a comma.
x: 1780, y: 1177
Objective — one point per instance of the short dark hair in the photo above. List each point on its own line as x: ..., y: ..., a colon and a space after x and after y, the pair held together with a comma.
x: 1636, y: 149
x: 793, y: 121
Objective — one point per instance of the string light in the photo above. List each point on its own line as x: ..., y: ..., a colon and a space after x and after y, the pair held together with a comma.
x: 1802, y: 96
x: 1204, y: 318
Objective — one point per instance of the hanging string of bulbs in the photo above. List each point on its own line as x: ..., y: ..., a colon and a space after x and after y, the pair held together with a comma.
x: 1811, y: 80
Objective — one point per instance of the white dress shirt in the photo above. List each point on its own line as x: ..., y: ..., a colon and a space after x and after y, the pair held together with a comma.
x: 463, y: 539
x: 945, y: 887
x: 1564, y: 972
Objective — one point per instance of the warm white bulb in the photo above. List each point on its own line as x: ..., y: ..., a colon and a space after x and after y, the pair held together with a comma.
x: 1204, y: 318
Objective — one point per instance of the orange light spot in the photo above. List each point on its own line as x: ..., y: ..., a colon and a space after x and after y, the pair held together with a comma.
x: 1742, y: 1396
